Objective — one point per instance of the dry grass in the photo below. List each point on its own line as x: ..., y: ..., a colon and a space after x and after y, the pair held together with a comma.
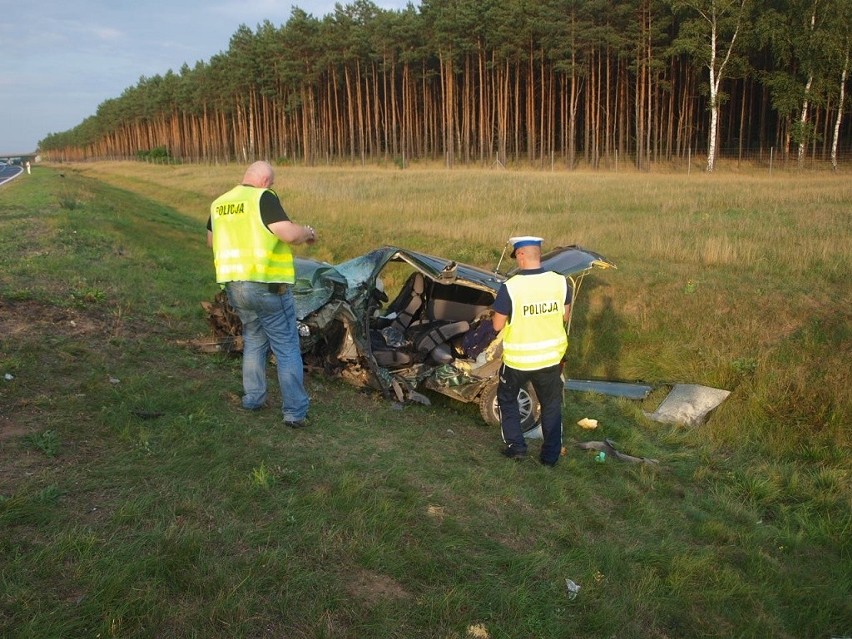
x: 721, y: 277
x: 793, y: 221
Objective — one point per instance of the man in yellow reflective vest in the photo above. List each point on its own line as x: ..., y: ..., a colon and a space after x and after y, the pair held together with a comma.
x: 533, y: 306
x: 251, y: 235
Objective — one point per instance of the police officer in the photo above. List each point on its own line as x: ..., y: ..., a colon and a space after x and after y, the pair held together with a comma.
x: 533, y: 305
x: 251, y: 236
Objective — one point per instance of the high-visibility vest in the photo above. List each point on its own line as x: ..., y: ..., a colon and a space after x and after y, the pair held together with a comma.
x: 244, y: 250
x: 535, y: 335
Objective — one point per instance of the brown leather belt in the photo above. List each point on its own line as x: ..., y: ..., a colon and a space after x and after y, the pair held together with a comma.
x: 278, y: 289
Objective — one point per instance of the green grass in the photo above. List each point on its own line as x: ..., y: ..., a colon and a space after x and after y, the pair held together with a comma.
x: 138, y: 500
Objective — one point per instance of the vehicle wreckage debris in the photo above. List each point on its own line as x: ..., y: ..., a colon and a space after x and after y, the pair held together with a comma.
x: 608, y: 448
x: 630, y: 390
x: 435, y: 334
x: 688, y: 404
x: 226, y: 325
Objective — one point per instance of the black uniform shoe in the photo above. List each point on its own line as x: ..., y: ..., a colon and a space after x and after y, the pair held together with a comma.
x: 302, y: 423
x: 513, y: 453
x: 546, y: 463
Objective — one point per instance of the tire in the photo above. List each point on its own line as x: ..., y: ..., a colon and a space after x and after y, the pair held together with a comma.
x: 527, y: 400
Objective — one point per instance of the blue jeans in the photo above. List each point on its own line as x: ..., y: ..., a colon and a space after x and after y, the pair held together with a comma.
x: 269, y: 323
x: 549, y: 388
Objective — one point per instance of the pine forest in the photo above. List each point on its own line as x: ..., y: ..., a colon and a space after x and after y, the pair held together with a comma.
x: 562, y: 83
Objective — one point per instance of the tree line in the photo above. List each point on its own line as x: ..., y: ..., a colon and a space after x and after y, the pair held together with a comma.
x: 499, y: 81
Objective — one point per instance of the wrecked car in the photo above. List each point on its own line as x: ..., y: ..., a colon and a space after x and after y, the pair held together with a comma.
x: 433, y: 333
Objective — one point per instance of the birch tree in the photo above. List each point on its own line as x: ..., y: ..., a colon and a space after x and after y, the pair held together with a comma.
x: 796, y: 40
x: 844, y: 75
x: 810, y: 28
x: 840, y: 50
x: 709, y: 34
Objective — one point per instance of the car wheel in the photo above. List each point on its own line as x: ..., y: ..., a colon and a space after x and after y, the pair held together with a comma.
x: 527, y: 402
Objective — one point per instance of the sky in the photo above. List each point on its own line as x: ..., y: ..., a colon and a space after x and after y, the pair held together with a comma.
x: 60, y: 59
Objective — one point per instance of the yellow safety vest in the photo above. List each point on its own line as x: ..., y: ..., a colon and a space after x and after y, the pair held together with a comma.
x: 535, y: 335
x: 244, y: 250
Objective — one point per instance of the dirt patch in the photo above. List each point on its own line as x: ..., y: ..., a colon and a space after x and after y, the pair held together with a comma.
x: 19, y: 462
x: 373, y: 588
x: 28, y: 318
x: 11, y: 429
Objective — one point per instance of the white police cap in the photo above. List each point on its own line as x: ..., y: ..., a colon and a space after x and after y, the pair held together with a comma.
x: 524, y: 240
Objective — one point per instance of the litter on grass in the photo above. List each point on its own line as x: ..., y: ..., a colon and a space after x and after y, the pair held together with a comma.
x: 688, y: 404
x: 478, y: 631
x: 608, y: 448
x: 535, y: 433
x: 572, y: 588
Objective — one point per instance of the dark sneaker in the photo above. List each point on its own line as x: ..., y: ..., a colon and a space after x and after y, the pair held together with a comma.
x: 253, y: 409
x: 302, y: 423
x: 549, y: 464
x: 235, y: 399
x: 513, y: 453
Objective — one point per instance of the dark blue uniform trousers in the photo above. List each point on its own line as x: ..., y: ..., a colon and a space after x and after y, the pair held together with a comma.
x: 548, y: 386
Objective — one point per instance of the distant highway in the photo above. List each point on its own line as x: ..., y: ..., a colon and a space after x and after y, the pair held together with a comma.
x: 9, y: 172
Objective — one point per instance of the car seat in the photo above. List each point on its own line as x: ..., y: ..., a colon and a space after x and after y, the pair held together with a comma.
x: 435, y: 342
x: 388, y: 343
x: 409, y: 302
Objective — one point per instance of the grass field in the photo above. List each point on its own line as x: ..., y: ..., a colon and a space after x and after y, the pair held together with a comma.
x: 137, y: 500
